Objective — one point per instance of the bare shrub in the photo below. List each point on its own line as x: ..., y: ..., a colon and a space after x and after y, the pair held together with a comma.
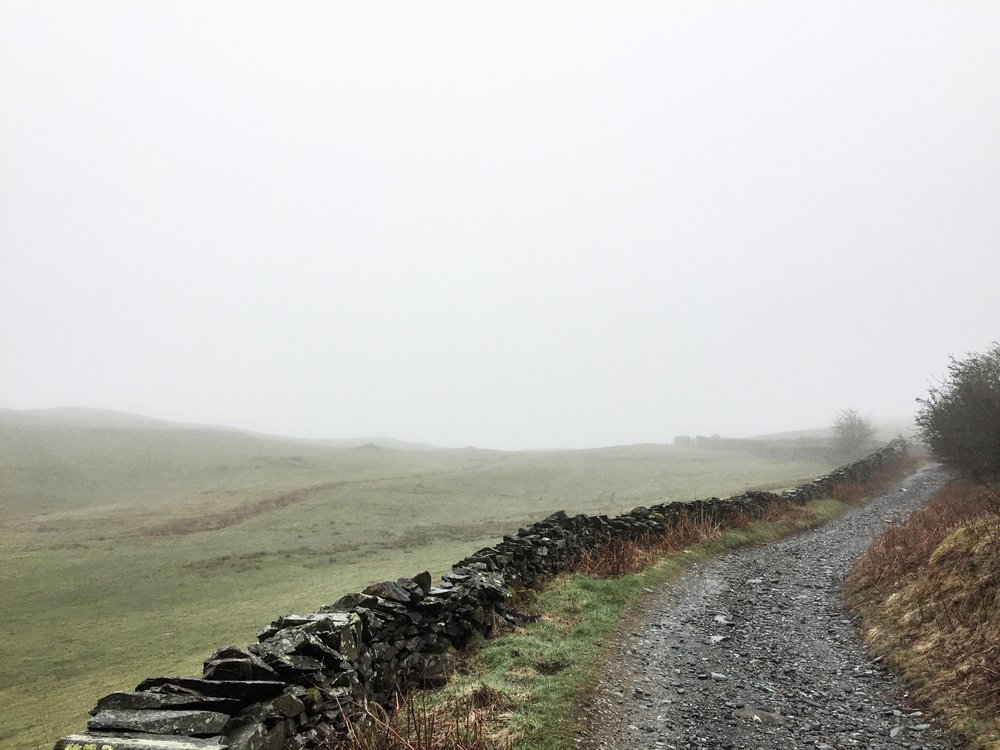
x: 852, y: 433
x: 960, y: 420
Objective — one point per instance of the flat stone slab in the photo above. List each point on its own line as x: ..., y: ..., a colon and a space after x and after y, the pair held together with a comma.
x: 137, y: 741
x: 149, y: 700
x: 189, y: 723
x: 250, y: 691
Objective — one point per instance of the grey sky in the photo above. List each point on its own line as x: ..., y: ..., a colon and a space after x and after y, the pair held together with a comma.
x: 510, y: 225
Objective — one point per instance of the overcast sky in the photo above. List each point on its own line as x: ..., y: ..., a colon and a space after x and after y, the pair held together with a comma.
x: 513, y: 225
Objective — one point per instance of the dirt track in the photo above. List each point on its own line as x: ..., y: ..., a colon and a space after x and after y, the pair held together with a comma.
x: 754, y: 650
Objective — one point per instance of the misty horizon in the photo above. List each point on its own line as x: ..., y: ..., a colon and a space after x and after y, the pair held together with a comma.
x: 91, y: 417
x: 542, y: 226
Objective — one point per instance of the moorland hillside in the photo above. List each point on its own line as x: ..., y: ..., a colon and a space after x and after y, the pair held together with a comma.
x: 131, y: 546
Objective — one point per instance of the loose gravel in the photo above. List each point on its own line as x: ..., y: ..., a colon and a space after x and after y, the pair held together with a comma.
x: 755, y: 650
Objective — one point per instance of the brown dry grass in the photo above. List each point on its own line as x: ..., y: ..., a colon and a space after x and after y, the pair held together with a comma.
x: 621, y: 556
x: 462, y: 722
x: 905, y: 548
x: 928, y: 591
x: 856, y: 492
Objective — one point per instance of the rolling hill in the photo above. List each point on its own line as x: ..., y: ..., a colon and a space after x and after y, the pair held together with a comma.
x: 130, y: 546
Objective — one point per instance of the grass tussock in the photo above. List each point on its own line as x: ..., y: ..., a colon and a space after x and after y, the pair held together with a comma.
x: 540, y: 675
x: 621, y: 556
x: 466, y: 721
x: 928, y: 591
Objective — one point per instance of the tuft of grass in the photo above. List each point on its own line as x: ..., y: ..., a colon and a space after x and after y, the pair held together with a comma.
x: 928, y: 592
x: 416, y: 724
x: 621, y: 556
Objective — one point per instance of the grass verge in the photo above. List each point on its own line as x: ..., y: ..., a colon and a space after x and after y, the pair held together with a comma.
x: 928, y: 592
x: 524, y: 688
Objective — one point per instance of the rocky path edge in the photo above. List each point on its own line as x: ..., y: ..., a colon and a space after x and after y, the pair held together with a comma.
x: 755, y: 650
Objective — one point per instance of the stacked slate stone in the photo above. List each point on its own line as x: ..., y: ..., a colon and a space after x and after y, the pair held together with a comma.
x: 547, y: 547
x: 855, y: 472
x: 308, y: 675
x: 286, y: 686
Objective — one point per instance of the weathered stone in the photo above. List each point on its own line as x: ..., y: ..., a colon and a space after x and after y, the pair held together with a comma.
x: 285, y: 706
x: 250, y: 668
x: 298, y: 641
x: 397, y: 611
x: 276, y: 735
x: 347, y: 603
x: 424, y: 581
x: 756, y: 714
x: 292, y: 665
x: 308, y: 738
x: 343, y: 634
x: 153, y: 700
x: 389, y: 590
x: 137, y: 741
x: 189, y: 723
x: 228, y: 652
x: 436, y: 667
x: 430, y: 605
x: 340, y: 631
x: 348, y: 679
x: 232, y: 663
x: 247, y: 737
x: 258, y: 736
x: 250, y: 691
x: 336, y: 695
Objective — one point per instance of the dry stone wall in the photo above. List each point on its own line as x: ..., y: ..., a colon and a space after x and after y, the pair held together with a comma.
x: 307, y: 674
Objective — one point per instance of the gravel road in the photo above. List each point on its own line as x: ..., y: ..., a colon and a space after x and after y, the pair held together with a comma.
x: 754, y: 650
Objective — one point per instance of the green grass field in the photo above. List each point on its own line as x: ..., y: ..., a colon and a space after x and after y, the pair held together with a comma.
x: 134, y: 549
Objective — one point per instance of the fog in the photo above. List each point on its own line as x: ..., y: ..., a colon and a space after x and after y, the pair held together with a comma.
x: 515, y: 225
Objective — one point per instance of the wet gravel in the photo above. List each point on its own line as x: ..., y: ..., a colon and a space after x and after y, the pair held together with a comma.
x: 755, y: 650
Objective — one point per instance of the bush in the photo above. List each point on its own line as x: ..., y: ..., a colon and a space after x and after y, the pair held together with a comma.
x: 960, y: 420
x: 852, y: 434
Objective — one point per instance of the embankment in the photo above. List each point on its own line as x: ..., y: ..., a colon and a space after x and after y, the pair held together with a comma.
x: 928, y: 593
